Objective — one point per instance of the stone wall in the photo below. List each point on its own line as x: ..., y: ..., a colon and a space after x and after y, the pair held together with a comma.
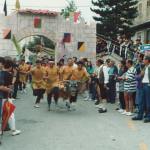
x: 53, y: 28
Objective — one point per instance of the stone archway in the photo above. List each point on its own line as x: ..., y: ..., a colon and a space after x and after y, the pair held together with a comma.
x: 28, y: 31
x: 53, y: 26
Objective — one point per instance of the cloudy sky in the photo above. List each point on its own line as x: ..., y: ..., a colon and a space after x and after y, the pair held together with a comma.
x: 57, y: 5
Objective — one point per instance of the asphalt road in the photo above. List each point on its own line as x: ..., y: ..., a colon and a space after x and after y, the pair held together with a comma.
x: 83, y: 129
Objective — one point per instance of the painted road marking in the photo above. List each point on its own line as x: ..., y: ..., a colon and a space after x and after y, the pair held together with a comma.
x: 143, y: 146
x: 131, y: 125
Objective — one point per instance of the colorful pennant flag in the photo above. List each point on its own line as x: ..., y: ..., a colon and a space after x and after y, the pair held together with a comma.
x: 8, y: 109
x: 7, y: 33
x: 71, y: 14
x: 81, y: 46
x: 67, y: 38
x: 37, y: 22
x: 76, y: 16
x: 5, y: 8
x: 17, y: 5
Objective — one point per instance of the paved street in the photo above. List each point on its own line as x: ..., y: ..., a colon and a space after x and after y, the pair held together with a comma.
x: 84, y: 129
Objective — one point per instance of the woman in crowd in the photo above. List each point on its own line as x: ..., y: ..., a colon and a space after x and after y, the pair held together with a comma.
x: 121, y: 73
x: 113, y: 71
x: 129, y: 88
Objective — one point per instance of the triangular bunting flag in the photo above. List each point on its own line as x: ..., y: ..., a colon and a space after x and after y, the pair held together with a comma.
x: 7, y: 34
x: 81, y: 46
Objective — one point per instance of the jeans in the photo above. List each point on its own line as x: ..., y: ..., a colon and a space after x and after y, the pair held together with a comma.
x: 16, y: 84
x: 122, y: 100
x: 144, y: 103
x: 93, y: 90
x: 1, y: 102
x: 139, y: 96
x: 111, y: 92
x: 54, y: 91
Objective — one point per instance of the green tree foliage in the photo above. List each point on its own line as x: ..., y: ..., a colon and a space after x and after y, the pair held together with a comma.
x: 16, y: 44
x: 70, y: 8
x: 114, y: 16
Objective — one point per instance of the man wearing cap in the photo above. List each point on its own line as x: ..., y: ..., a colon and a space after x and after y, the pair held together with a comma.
x: 52, y: 83
x: 38, y: 82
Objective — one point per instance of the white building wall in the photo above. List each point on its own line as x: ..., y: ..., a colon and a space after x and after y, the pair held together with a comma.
x: 53, y: 28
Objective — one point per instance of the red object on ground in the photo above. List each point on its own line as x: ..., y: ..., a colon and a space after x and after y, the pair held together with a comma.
x: 8, y: 109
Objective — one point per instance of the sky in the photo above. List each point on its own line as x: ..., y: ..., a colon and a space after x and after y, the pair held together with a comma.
x: 55, y: 5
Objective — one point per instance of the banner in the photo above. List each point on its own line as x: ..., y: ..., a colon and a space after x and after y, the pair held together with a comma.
x: 5, y: 8
x: 67, y: 38
x: 81, y: 46
x: 37, y: 22
x: 145, y: 47
x: 17, y: 5
x: 76, y: 16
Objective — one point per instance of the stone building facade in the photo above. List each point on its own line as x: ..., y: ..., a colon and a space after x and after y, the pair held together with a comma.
x: 142, y: 22
x: 53, y: 27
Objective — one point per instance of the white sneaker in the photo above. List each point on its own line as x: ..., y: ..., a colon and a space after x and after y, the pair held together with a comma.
x: 73, y: 106
x: 21, y: 91
x: 36, y: 106
x: 129, y: 114
x: 16, y: 132
x: 124, y: 112
x: 87, y: 98
x: 120, y: 110
x: 99, y: 106
x: 12, y: 99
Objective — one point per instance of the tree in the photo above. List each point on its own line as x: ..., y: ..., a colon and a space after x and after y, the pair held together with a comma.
x: 70, y: 8
x: 114, y: 16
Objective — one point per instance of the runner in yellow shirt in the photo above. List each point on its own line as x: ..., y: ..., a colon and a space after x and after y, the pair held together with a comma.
x: 52, y: 83
x: 38, y: 83
x: 66, y: 71
x: 79, y: 74
x: 23, y: 71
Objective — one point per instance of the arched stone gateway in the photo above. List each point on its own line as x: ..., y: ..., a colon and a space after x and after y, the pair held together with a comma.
x: 26, y: 23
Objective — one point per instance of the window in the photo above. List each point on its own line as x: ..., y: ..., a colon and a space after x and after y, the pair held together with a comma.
x: 148, y: 3
x: 148, y: 7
